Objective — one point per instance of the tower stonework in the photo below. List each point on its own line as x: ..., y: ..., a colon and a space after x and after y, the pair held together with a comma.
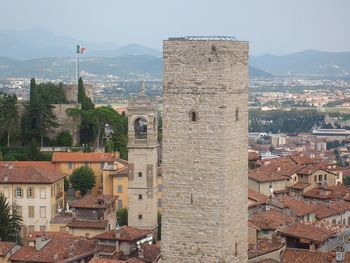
x: 205, y: 125
x: 143, y: 163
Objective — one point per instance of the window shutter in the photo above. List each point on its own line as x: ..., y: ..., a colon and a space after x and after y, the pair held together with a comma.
x: 14, y: 193
x: 28, y: 193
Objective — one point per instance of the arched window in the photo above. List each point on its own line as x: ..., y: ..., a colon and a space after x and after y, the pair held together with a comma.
x: 193, y: 116
x: 140, y: 127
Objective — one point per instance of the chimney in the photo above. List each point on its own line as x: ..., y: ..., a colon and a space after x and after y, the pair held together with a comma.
x: 55, y: 257
x: 40, y: 242
x: 115, y: 166
x: 11, y: 166
x: 6, y: 178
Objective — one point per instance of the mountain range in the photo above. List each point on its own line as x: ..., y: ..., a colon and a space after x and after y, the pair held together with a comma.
x: 37, y: 51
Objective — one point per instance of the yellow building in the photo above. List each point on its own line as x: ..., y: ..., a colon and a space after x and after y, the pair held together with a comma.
x: 115, y: 182
x: 36, y: 191
x: 69, y: 161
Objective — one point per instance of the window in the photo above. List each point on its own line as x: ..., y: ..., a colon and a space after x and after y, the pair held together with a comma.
x: 120, y: 204
x: 265, y: 231
x: 70, y: 166
x: 344, y: 221
x: 193, y: 116
x: 159, y: 202
x: 42, y: 192
x: 320, y: 177
x: 140, y: 174
x: 31, y: 211
x: 86, y: 164
x: 334, y: 221
x: 140, y: 216
x: 102, y: 165
x: 30, y: 192
x: 325, y: 177
x: 120, y: 188
x: 43, y: 211
x: 236, y: 249
x: 140, y: 197
x: 237, y: 114
x: 42, y: 228
x: 160, y: 188
x: 30, y: 229
x: 19, y: 192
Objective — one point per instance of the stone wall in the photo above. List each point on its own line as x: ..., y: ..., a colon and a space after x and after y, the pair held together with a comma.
x: 205, y: 161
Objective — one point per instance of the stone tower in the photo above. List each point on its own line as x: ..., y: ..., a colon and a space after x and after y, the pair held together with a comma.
x: 143, y: 162
x: 205, y: 138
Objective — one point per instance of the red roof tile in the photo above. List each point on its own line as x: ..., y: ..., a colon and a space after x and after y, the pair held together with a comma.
x: 94, y: 201
x: 45, y: 165
x: 29, y: 174
x: 271, y: 219
x: 299, y: 186
x: 62, y: 248
x: 297, y: 207
x: 257, y: 197
x: 333, y: 208
x: 293, y: 255
x: 93, y: 157
x: 318, y: 233
x: 101, y: 224
x: 339, y: 191
x: 263, y: 177
x: 127, y: 233
x: 5, y: 247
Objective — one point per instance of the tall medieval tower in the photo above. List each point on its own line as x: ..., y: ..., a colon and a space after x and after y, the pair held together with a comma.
x: 143, y: 162
x: 205, y: 150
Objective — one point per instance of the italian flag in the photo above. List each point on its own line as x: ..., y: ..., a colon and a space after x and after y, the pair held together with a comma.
x: 80, y: 50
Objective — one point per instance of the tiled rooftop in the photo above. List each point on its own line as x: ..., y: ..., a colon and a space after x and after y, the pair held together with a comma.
x: 94, y: 201
x: 293, y: 255
x: 271, y: 219
x: 28, y: 174
x: 93, y: 157
x: 127, y: 233
x: 5, y: 247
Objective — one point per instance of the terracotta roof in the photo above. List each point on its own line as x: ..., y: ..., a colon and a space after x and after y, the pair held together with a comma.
x: 339, y: 191
x: 318, y: 233
x: 264, y: 246
x: 285, y: 166
x: 28, y: 174
x: 5, y: 247
x: 151, y: 252
x: 299, y: 159
x: 122, y: 172
x: 101, y: 224
x: 271, y: 219
x: 45, y: 165
x: 297, y: 207
x: 127, y: 233
x: 332, y: 208
x: 253, y: 156
x: 62, y: 219
x: 61, y: 247
x: 257, y: 197
x: 312, y: 168
x: 293, y: 255
x: 49, y: 234
x: 263, y: 177
x: 94, y: 201
x: 79, y: 157
x: 299, y: 186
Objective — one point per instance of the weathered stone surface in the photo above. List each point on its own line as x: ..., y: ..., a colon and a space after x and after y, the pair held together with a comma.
x: 205, y: 161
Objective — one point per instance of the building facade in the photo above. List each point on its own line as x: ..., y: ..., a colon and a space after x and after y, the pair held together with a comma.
x: 142, y: 163
x: 205, y: 180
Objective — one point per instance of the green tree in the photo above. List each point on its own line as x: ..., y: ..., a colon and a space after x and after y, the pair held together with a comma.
x: 346, y: 180
x: 10, y: 221
x: 64, y: 138
x: 83, y: 179
x: 66, y: 184
x: 86, y: 102
x: 122, y: 216
x: 8, y: 115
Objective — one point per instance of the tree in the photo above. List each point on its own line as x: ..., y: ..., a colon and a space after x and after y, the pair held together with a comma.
x: 83, y: 179
x: 8, y: 115
x: 64, y: 138
x: 66, y: 184
x: 10, y: 221
x: 85, y: 101
x: 122, y: 216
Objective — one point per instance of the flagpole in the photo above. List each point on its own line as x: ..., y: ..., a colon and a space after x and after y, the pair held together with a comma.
x: 77, y: 68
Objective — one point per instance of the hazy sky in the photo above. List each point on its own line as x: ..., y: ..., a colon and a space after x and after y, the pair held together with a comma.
x: 276, y: 26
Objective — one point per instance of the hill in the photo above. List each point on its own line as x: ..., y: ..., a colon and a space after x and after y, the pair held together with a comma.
x: 308, y: 62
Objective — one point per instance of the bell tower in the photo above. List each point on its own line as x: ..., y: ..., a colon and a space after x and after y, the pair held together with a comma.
x: 143, y: 162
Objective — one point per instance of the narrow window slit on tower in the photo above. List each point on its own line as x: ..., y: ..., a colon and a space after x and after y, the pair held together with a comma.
x: 193, y: 116
x: 237, y: 114
x: 191, y: 198
x: 236, y: 249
